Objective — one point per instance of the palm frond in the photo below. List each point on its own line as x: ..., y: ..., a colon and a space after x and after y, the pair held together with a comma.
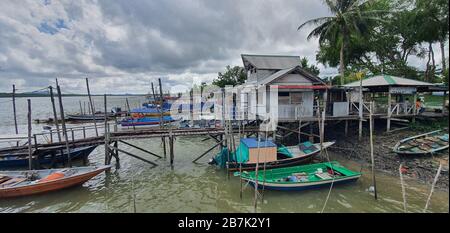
x: 316, y: 32
x: 315, y: 21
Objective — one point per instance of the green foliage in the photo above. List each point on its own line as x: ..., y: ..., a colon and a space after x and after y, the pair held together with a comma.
x: 430, y: 125
x: 351, y: 18
x: 310, y: 68
x: 232, y: 76
x: 387, y: 42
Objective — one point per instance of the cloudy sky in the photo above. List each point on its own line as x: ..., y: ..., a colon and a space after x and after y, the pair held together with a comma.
x: 122, y: 46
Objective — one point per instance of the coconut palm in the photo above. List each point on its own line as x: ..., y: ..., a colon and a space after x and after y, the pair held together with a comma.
x: 349, y: 16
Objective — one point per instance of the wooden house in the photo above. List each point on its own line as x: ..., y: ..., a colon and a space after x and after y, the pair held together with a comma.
x: 296, y: 87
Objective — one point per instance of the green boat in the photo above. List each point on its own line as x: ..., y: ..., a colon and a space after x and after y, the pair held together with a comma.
x: 301, y: 177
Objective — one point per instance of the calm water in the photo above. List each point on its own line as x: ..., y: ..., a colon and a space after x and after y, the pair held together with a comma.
x: 190, y: 187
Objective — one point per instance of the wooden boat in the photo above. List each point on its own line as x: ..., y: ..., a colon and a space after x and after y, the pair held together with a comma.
x: 19, y: 158
x: 89, y: 117
x: 302, y: 177
x: 23, y: 183
x: 273, y: 156
x: 426, y: 143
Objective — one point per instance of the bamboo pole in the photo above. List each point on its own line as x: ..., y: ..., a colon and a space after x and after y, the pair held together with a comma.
x: 55, y: 115
x: 371, y: 150
x: 63, y: 122
x: 161, y: 116
x: 403, y: 187
x: 30, y: 152
x: 92, y: 107
x: 432, y: 187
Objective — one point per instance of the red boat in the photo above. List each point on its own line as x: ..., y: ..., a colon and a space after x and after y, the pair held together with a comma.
x: 23, y: 183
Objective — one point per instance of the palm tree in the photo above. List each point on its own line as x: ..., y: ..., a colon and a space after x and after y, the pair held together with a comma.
x: 350, y: 16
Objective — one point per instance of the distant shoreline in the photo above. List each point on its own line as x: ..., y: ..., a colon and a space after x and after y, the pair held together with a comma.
x: 9, y: 95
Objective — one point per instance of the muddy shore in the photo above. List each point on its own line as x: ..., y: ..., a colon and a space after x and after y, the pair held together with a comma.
x: 421, y: 168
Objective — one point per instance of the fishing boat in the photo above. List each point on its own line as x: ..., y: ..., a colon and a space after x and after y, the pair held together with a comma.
x: 146, y: 121
x: 301, y: 177
x: 23, y: 183
x: 19, y: 158
x: 266, y: 154
x: 422, y: 144
x: 89, y: 117
x: 148, y: 112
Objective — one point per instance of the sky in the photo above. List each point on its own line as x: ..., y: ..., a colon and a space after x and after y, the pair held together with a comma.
x: 122, y: 46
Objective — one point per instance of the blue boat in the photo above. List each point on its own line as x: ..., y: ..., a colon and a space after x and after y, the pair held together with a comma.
x: 20, y: 158
x: 145, y: 121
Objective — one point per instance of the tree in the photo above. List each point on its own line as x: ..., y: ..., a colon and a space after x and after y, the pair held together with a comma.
x: 310, y: 68
x: 350, y: 17
x: 232, y: 76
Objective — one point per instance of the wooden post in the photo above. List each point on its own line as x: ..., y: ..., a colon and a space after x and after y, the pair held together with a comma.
x: 443, y: 101
x: 84, y: 108
x: 171, y: 148
x: 388, y: 126
x: 81, y: 108
x: 92, y: 107
x: 154, y: 94
x: 361, y: 103
x: 51, y: 136
x: 432, y: 187
x: 161, y: 116
x: 84, y: 132
x: 414, y: 108
x: 55, y: 115
x: 371, y: 150
x: 106, y: 136
x: 128, y: 107
x: 63, y: 122
x: 14, y: 111
x: 30, y: 152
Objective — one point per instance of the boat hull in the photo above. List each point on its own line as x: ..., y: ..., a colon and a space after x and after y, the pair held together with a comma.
x: 407, y: 152
x: 46, y: 158
x: 50, y: 185
x: 303, y: 186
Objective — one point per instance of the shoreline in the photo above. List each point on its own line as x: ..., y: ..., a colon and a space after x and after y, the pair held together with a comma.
x: 420, y: 168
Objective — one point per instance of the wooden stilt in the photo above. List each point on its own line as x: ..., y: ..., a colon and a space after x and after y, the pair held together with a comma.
x: 371, y: 150
x: 346, y: 128
x: 92, y: 107
x: 206, y: 152
x: 14, y: 111
x: 106, y: 135
x: 139, y: 148
x: 63, y: 122
x: 389, y: 113
x: 55, y: 115
x: 128, y: 108
x: 30, y: 152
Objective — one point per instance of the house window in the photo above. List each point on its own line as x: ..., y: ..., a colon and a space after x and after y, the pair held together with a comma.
x: 283, y: 97
x: 296, y: 98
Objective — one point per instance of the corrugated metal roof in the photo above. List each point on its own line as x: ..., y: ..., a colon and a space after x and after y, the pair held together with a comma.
x: 388, y: 80
x: 270, y: 62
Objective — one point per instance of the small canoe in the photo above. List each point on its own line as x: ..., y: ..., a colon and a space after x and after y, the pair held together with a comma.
x: 24, y: 183
x: 422, y: 144
x: 301, y: 177
x: 19, y: 158
x: 89, y: 117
